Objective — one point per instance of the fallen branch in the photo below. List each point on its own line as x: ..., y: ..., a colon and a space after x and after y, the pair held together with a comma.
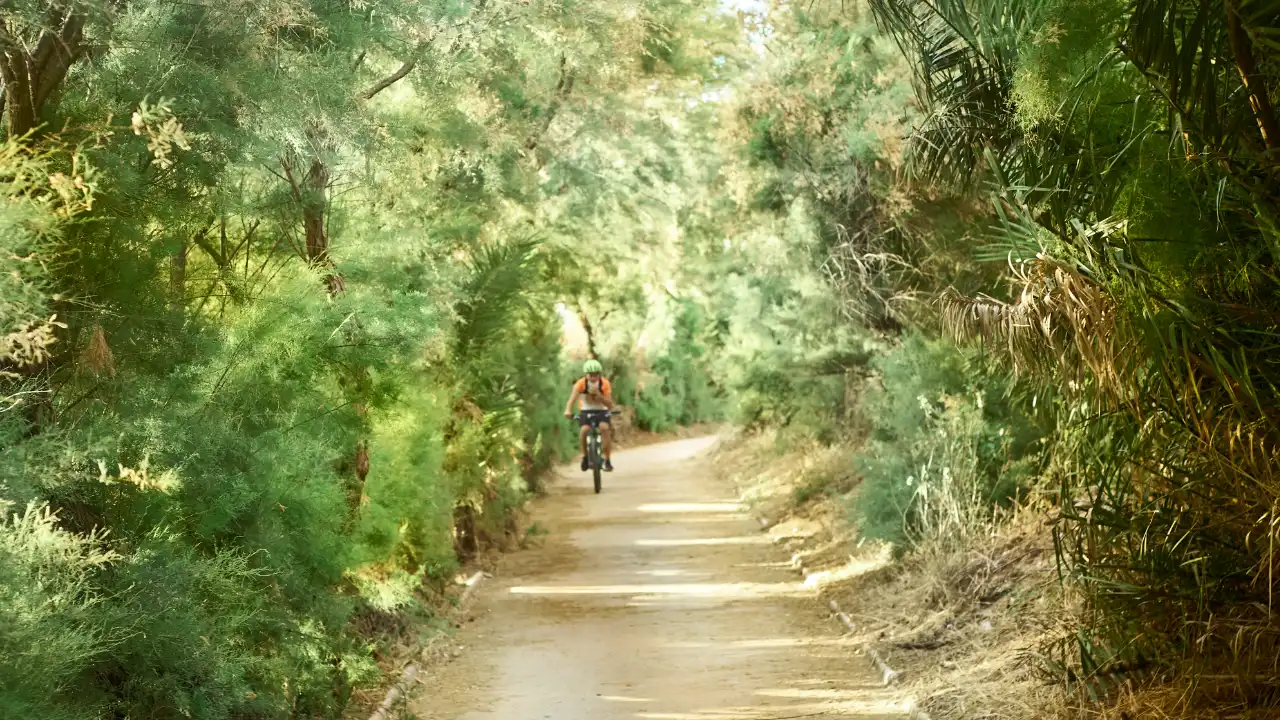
x: 395, y: 693
x: 399, y: 691
x: 922, y: 645
x: 888, y: 674
x: 915, y: 713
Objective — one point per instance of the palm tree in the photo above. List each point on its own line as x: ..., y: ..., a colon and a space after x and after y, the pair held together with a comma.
x: 1148, y: 277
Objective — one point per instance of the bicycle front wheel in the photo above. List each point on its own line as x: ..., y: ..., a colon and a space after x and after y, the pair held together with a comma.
x: 596, y: 462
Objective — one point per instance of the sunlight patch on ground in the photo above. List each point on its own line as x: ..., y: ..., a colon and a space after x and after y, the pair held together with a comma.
x: 813, y: 694
x: 796, y: 528
x: 700, y: 519
x: 860, y: 703
x: 875, y: 708
x: 713, y: 590
x: 690, y: 507
x: 743, y: 714
x: 853, y: 568
x: 665, y: 573
x: 876, y: 703
x: 763, y: 643
x: 688, y: 542
x: 623, y: 698
x: 687, y: 451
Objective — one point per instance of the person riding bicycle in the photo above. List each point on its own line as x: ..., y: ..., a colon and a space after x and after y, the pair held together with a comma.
x: 594, y: 396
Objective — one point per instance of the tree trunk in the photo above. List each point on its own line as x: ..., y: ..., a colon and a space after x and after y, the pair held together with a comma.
x: 178, y: 278
x: 465, y: 541
x: 315, y: 200
x: 311, y: 192
x: 31, y: 78
x: 315, y: 206
x: 563, y: 87
x: 591, y: 334
x: 315, y: 211
x: 1255, y: 85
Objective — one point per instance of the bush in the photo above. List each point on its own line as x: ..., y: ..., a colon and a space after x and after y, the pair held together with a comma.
x: 51, y: 632
x: 807, y: 396
x: 687, y: 394
x: 544, y: 378
x: 950, y: 443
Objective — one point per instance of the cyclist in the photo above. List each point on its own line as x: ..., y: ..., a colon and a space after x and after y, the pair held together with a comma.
x: 594, y: 396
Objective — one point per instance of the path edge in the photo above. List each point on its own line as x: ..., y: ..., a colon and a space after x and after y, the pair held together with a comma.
x: 399, y: 691
x: 888, y: 675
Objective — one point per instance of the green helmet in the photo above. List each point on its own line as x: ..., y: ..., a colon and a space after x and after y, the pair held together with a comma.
x: 592, y: 366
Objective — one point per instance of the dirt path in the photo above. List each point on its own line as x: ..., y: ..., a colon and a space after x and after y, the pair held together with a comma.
x: 657, y: 599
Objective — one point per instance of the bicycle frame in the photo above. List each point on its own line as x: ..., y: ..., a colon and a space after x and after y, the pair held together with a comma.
x: 595, y: 448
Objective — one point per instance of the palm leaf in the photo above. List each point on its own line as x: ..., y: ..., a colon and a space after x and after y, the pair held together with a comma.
x: 966, y: 54
x: 498, y: 286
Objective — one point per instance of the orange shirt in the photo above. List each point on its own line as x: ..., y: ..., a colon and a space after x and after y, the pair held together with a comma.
x: 601, y: 388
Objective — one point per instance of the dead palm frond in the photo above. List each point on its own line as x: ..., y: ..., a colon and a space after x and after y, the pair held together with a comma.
x: 1170, y: 425
x: 1059, y: 323
x: 874, y: 286
x: 1173, y: 491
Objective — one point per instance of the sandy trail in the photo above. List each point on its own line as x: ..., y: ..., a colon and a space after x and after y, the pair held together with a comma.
x: 659, y: 598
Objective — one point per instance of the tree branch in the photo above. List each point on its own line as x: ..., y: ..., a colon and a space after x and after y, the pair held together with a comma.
x: 287, y: 163
x: 393, y: 78
x: 202, y: 241
x: 563, y: 87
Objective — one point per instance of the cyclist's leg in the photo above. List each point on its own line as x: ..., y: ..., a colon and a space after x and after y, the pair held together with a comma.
x: 606, y: 436
x: 582, y: 441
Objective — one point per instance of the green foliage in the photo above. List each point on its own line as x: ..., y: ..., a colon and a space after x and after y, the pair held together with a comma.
x: 949, y: 445
x: 50, y: 619
x: 283, y: 287
x: 543, y: 376
x: 686, y: 395
x: 406, y: 448
x: 280, y: 346
x: 1180, y: 359
x: 1079, y: 189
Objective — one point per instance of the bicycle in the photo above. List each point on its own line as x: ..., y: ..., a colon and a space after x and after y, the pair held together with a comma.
x: 595, y: 455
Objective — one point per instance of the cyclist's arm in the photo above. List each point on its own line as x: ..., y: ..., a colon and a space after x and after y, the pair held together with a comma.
x: 573, y: 398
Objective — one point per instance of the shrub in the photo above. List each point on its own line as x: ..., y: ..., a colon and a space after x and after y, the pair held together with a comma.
x: 51, y: 631
x: 949, y: 443
x: 687, y: 393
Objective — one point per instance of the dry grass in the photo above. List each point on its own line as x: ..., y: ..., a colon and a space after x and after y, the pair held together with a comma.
x: 965, y: 624
x: 97, y: 355
x: 963, y: 620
